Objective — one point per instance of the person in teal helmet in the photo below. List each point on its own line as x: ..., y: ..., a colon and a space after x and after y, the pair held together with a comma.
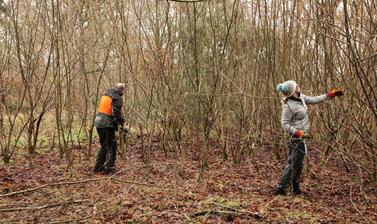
x: 295, y: 122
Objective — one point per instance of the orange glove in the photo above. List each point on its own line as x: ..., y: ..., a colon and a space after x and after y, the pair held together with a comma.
x: 335, y: 92
x: 300, y: 134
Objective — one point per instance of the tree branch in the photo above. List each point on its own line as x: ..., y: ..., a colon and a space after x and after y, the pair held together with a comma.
x: 111, y: 178
x: 41, y: 207
x: 221, y: 212
x: 362, y: 59
x: 51, y: 185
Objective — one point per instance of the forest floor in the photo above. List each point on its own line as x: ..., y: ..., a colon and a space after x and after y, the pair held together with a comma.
x: 167, y: 190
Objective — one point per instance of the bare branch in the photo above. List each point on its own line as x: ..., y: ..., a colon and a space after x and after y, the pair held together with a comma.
x: 42, y: 206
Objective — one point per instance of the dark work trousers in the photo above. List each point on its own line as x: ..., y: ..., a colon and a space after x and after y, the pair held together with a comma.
x: 292, y: 171
x: 107, y: 152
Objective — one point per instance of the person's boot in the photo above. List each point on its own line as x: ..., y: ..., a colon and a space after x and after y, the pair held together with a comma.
x: 280, y: 191
x: 109, y: 170
x: 296, y: 189
x: 98, y: 168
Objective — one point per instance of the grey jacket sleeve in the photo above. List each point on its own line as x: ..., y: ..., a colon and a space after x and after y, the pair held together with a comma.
x: 314, y: 99
x: 286, y: 119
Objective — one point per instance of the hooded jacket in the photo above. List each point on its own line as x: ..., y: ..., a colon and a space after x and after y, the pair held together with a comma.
x: 110, y: 110
x: 295, y: 114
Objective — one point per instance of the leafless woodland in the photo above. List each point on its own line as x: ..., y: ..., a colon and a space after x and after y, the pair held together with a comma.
x: 203, y: 69
x: 202, y: 76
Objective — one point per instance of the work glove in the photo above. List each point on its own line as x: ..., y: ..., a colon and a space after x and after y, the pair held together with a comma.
x: 335, y: 92
x: 300, y: 134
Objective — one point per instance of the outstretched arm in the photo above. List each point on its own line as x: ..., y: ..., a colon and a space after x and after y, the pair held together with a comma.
x: 319, y: 99
x: 314, y: 99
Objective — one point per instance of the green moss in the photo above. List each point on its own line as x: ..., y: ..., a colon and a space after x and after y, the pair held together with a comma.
x: 223, y: 201
x: 302, y: 216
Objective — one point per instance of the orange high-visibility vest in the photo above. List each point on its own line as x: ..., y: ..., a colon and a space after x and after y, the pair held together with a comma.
x: 105, y: 105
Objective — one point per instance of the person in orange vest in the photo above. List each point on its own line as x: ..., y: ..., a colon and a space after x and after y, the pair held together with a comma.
x: 107, y: 122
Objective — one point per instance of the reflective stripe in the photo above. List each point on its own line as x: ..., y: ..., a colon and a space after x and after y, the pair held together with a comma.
x: 105, y: 105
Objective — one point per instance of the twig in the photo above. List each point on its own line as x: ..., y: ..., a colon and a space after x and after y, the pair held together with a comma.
x: 212, y: 212
x: 361, y: 214
x: 86, y: 217
x: 70, y: 220
x: 51, y: 185
x: 41, y: 207
x: 188, y: 218
x: 137, y: 183
x: 362, y: 59
x: 220, y: 213
x: 110, y: 178
x: 63, y: 183
x: 141, y: 184
x: 14, y: 220
x: 233, y: 93
x: 255, y: 215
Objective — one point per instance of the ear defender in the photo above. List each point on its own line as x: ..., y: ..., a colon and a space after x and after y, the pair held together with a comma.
x: 279, y: 88
x: 285, y: 88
